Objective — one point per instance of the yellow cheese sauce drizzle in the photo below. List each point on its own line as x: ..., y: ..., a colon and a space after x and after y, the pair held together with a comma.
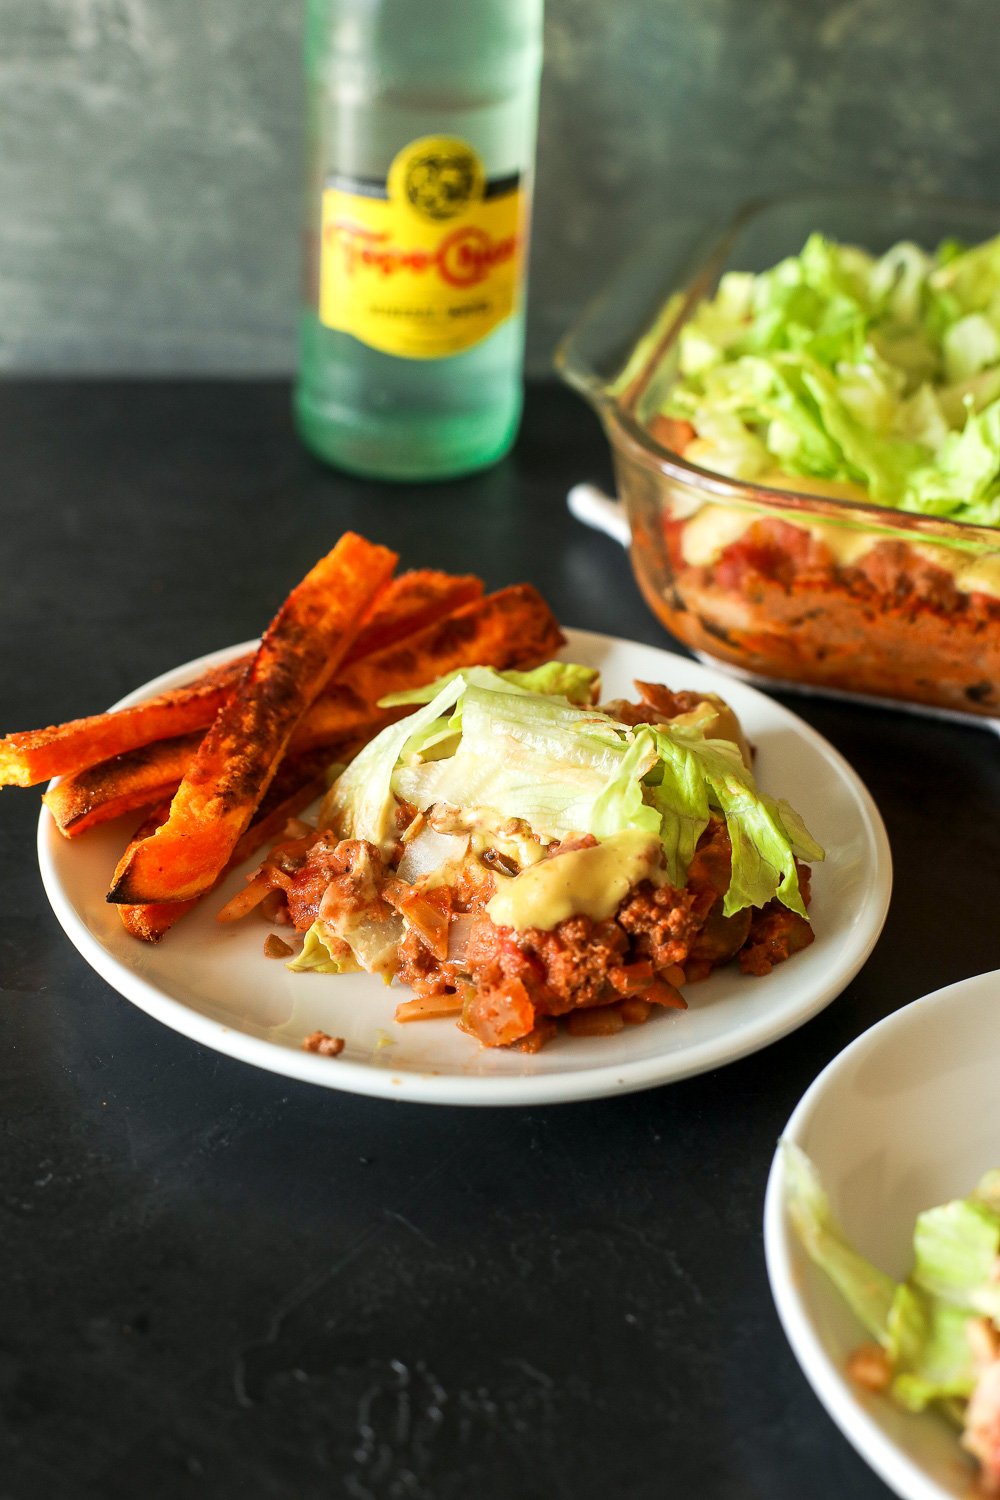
x: 585, y: 882
x: 712, y: 528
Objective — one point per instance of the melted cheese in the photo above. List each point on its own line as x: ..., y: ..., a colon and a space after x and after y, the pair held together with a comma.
x: 585, y: 882
x: 712, y: 528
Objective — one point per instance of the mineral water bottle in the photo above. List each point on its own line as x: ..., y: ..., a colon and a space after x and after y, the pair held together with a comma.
x: 421, y: 140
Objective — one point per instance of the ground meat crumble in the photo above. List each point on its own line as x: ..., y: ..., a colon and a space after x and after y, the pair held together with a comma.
x: 513, y: 985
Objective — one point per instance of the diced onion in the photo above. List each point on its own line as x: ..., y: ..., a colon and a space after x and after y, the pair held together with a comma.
x: 428, y: 1007
x: 374, y: 943
x: 458, y: 937
x: 429, y: 851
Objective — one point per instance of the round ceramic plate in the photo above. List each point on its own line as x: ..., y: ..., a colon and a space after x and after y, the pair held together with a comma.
x: 903, y: 1119
x: 212, y: 982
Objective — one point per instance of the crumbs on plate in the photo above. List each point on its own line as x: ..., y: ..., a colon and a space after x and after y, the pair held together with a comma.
x: 324, y: 1044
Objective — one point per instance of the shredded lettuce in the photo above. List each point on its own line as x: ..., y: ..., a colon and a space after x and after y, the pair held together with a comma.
x: 879, y: 372
x: 679, y: 792
x: 555, y: 678
x: 922, y: 1323
x: 360, y: 803
x: 867, y: 1290
x: 316, y: 957
x: 929, y: 1349
x: 514, y: 746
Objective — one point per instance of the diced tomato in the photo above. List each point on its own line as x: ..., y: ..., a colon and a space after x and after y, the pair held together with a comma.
x: 632, y: 979
x: 662, y: 993
x: 635, y: 1010
x: 429, y: 912
x: 595, y: 1020
x: 500, y: 1015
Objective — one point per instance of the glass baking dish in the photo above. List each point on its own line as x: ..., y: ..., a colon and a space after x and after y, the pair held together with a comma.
x: 783, y: 583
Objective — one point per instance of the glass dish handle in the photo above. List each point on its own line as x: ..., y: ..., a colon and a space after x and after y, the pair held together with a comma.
x: 599, y: 511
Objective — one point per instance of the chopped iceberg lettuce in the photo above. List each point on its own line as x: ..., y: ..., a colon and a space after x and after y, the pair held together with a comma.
x: 679, y: 792
x: 928, y: 1348
x: 316, y: 957
x: 867, y: 1290
x: 557, y: 678
x: 955, y: 1249
x: 360, y: 803
x: 878, y: 372
x: 922, y: 1323
x: 498, y: 748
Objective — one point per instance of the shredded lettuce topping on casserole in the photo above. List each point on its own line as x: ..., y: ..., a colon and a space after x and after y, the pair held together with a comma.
x: 881, y: 372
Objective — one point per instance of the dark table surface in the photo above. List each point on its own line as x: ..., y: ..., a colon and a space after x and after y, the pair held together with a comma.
x: 215, y: 1282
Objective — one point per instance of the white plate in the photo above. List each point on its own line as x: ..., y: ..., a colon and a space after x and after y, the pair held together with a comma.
x: 212, y: 982
x: 905, y: 1118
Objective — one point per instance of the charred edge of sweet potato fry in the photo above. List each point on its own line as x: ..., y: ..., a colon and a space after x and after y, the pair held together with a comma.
x: 148, y: 922
x: 139, y: 778
x: 38, y: 754
x: 411, y: 602
x: 237, y: 758
x: 512, y: 627
x: 128, y: 782
x: 299, y: 780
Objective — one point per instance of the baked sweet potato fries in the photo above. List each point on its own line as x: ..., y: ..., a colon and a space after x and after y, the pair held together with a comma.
x: 221, y: 764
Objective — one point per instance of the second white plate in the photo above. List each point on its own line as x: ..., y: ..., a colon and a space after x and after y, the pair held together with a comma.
x: 212, y: 982
x: 903, y: 1119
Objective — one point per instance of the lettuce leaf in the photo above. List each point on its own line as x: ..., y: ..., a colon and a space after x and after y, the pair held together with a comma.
x: 955, y: 1250
x: 763, y: 864
x: 555, y: 678
x: 964, y: 479
x: 500, y: 751
x: 921, y: 1323
x: 929, y: 1348
x: 315, y: 956
x: 524, y: 756
x: 360, y: 804
x: 680, y: 795
x: 868, y: 1291
x: 882, y: 373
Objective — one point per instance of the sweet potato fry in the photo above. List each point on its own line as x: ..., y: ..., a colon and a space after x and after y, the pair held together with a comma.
x: 240, y: 753
x: 513, y: 627
x: 298, y: 781
x: 409, y: 603
x: 152, y: 773
x: 139, y: 778
x: 151, y: 920
x: 37, y: 754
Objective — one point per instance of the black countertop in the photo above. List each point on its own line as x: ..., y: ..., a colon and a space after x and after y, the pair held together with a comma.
x: 216, y: 1282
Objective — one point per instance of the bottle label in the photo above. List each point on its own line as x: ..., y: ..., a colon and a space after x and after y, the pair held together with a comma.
x: 428, y: 262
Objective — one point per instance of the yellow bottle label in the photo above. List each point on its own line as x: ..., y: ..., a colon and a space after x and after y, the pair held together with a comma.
x: 427, y: 263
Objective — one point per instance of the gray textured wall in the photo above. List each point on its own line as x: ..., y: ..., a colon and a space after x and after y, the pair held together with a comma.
x: 149, y: 151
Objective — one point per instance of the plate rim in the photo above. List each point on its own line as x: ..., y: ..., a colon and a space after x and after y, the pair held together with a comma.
x: 588, y: 1082
x: 829, y: 1384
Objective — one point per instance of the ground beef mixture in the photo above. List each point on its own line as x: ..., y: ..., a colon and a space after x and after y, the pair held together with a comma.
x: 777, y: 601
x: 509, y: 987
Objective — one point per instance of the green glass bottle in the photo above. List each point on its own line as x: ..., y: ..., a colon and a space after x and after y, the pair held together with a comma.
x: 421, y: 142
